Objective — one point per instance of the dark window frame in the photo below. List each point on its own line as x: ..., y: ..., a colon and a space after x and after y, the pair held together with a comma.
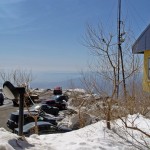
x: 148, y: 68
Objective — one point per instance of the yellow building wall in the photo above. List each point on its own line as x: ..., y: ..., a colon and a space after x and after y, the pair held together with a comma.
x: 146, y: 81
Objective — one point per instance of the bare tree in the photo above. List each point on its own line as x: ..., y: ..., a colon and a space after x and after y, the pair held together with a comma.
x: 104, y: 49
x: 104, y: 68
x: 17, y: 76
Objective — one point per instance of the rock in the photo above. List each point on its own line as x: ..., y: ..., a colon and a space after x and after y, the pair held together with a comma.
x: 79, y: 121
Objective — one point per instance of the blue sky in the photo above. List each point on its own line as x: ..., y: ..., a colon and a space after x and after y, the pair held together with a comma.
x: 46, y: 36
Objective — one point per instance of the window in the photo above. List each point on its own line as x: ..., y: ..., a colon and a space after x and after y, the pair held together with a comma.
x: 149, y: 68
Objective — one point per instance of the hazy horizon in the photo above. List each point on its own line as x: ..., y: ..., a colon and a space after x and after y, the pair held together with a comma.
x: 51, y: 80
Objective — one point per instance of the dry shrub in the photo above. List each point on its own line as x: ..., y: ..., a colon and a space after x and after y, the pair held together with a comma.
x: 110, y: 109
x: 132, y: 105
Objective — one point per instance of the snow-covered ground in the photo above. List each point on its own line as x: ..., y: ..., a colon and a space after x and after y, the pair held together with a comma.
x: 92, y: 137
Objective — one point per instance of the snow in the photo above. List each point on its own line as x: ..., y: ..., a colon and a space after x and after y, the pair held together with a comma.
x: 92, y: 137
x: 77, y: 90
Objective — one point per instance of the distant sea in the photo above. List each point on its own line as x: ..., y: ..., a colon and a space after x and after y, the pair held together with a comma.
x: 51, y: 80
x: 48, y: 80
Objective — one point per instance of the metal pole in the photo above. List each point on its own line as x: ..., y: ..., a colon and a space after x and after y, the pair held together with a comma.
x: 119, y: 45
x: 21, y: 91
x: 120, y: 55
